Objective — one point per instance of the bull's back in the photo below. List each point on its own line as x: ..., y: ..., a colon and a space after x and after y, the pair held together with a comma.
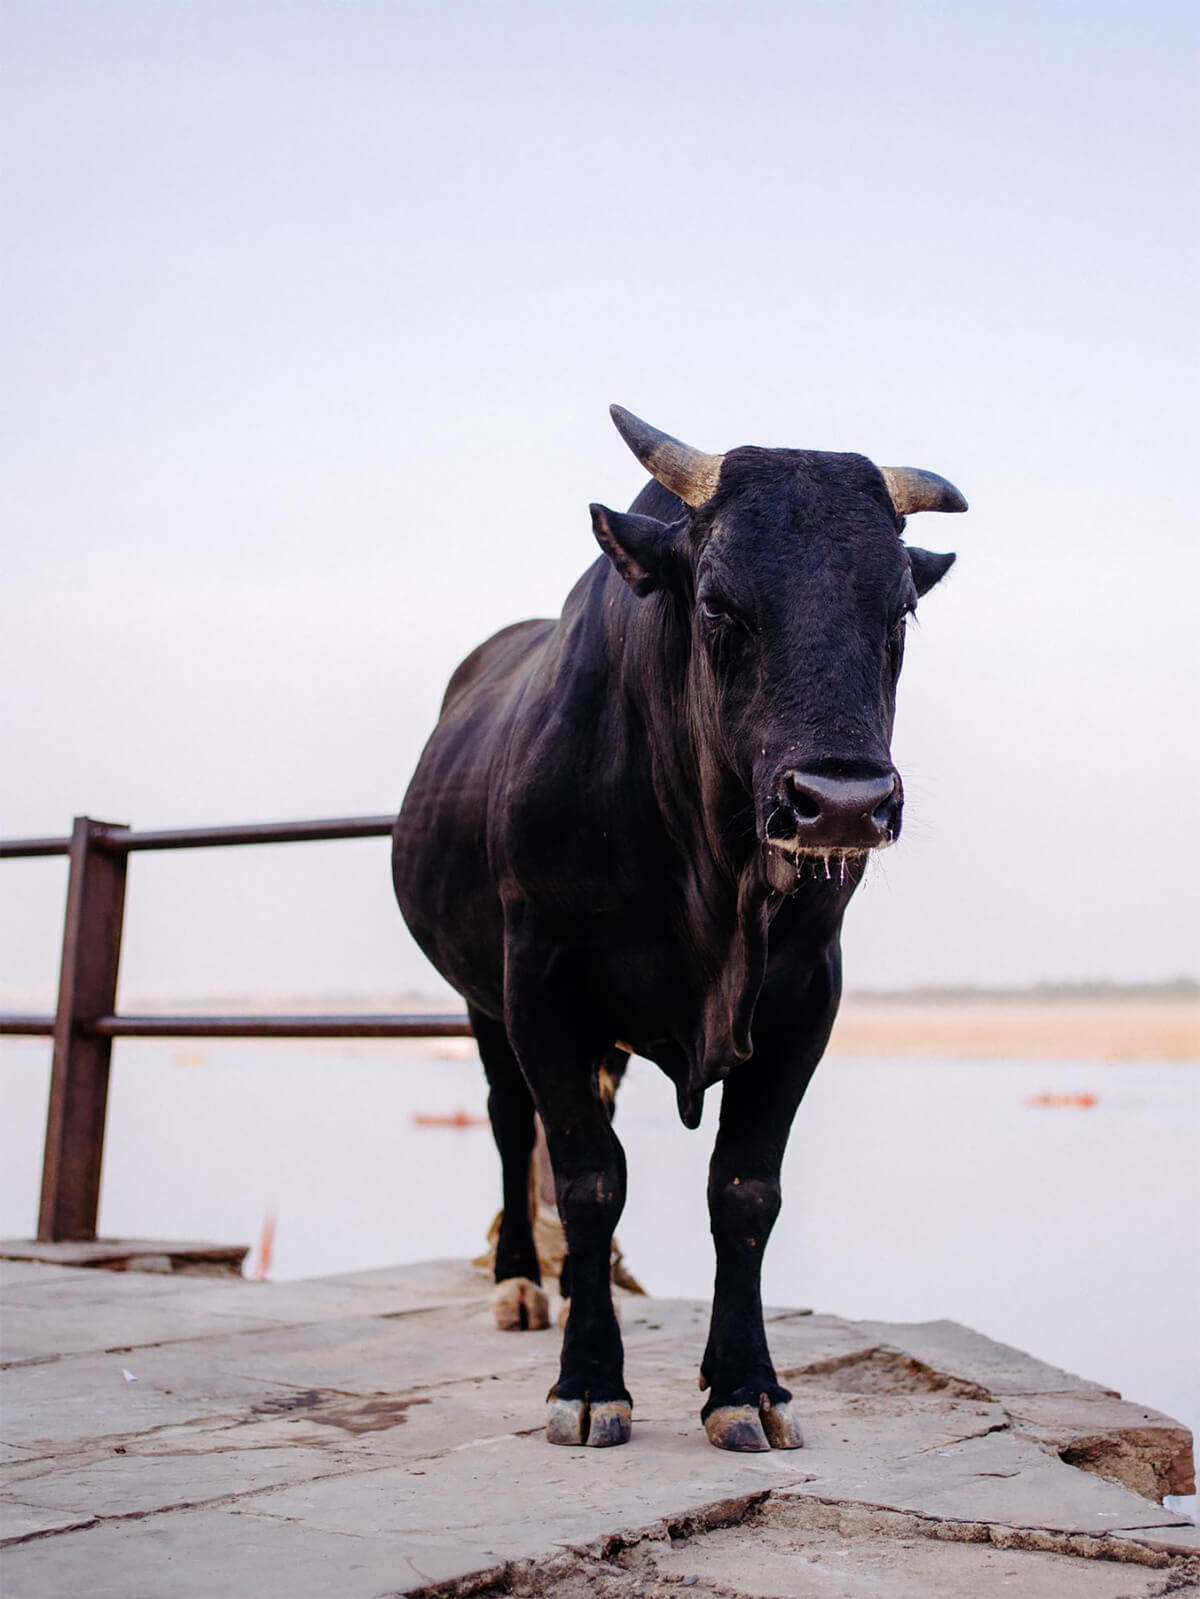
x: 439, y: 849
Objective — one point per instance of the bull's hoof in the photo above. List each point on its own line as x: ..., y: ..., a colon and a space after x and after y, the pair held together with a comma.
x: 751, y: 1429
x: 611, y: 1422
x: 736, y: 1427
x: 519, y: 1304
x: 566, y: 1421
x: 781, y: 1425
x: 600, y: 1426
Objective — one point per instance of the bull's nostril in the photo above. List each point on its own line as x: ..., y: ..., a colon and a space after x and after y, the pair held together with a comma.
x: 805, y: 805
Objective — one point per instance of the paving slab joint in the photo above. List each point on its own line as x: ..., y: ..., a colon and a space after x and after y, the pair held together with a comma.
x: 544, y: 1576
x: 885, y: 1369
x: 493, y: 1580
x: 1093, y: 1429
x: 796, y: 1511
x: 607, y: 1565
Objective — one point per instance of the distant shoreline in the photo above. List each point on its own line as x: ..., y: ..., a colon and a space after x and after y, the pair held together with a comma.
x: 1011, y: 1028
x: 1099, y: 1022
x: 1171, y: 989
x: 1174, y: 990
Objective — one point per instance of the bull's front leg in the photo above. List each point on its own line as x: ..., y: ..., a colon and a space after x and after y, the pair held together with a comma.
x: 589, y: 1404
x: 747, y: 1408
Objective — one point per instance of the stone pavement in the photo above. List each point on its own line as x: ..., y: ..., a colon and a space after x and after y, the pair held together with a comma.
x: 165, y: 1435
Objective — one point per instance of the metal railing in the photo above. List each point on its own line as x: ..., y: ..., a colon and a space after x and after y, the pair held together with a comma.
x: 84, y: 1023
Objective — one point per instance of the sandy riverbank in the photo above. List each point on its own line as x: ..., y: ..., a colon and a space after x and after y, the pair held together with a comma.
x: 985, y: 1027
x: 995, y: 1029
x: 1096, y: 1030
x: 989, y: 1029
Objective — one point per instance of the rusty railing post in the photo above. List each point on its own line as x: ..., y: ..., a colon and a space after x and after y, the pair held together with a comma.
x: 79, y: 1075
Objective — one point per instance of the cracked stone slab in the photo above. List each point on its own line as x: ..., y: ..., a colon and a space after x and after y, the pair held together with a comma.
x: 298, y: 1304
x: 130, y: 1484
x: 1142, y: 1448
x: 199, y: 1554
x: 374, y: 1434
x: 21, y: 1520
x: 393, y: 1291
x: 961, y: 1352
x: 1083, y: 1423
x: 1169, y: 1540
x: 50, y: 1408
x: 92, y: 1327
x: 368, y: 1353
x: 861, y: 1554
x: 14, y: 1273
x: 420, y: 1426
x: 1000, y: 1478
x: 436, y: 1280
x: 870, y: 1429
x: 664, y: 1472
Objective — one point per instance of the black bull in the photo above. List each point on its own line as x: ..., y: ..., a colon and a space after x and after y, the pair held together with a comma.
x: 642, y: 824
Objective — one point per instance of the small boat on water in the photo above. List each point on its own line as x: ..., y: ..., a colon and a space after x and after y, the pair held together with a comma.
x: 1086, y: 1101
x: 447, y: 1118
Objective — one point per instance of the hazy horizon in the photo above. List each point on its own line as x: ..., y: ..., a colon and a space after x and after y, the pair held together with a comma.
x: 437, y: 991
x: 313, y: 318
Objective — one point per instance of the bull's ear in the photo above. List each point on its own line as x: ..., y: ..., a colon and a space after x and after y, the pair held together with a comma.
x: 639, y: 547
x: 928, y: 568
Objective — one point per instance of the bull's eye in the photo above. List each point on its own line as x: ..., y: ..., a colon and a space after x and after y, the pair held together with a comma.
x: 896, y: 644
x: 722, y: 633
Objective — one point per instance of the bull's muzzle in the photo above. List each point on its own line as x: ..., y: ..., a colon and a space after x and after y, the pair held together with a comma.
x: 819, y: 815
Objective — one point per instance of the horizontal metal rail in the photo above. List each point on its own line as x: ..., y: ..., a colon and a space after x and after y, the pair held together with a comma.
x: 12, y: 848
x: 84, y: 1024
x: 29, y: 1026
x: 279, y: 1027
x: 410, y: 1026
x: 124, y: 839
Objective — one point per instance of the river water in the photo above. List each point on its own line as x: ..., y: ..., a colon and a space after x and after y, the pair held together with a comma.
x: 911, y: 1190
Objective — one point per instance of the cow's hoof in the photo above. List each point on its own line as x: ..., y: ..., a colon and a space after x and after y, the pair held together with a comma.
x: 519, y: 1304
x: 781, y: 1425
x: 751, y: 1429
x: 736, y: 1427
x: 566, y: 1421
x: 600, y: 1426
x: 610, y: 1422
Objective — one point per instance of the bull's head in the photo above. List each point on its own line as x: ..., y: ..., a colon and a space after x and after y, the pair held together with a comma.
x: 790, y: 570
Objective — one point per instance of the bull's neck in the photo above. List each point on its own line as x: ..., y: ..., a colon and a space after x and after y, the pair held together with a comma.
x: 703, y: 802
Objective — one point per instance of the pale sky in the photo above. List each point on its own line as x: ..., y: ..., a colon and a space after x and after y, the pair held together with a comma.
x: 312, y: 316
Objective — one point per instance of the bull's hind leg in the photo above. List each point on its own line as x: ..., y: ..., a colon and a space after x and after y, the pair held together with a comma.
x: 519, y: 1300
x: 747, y: 1407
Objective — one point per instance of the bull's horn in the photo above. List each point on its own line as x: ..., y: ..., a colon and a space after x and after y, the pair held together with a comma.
x: 689, y: 473
x: 913, y: 490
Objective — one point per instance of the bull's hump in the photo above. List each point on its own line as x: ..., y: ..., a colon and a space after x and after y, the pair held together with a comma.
x: 498, y: 660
